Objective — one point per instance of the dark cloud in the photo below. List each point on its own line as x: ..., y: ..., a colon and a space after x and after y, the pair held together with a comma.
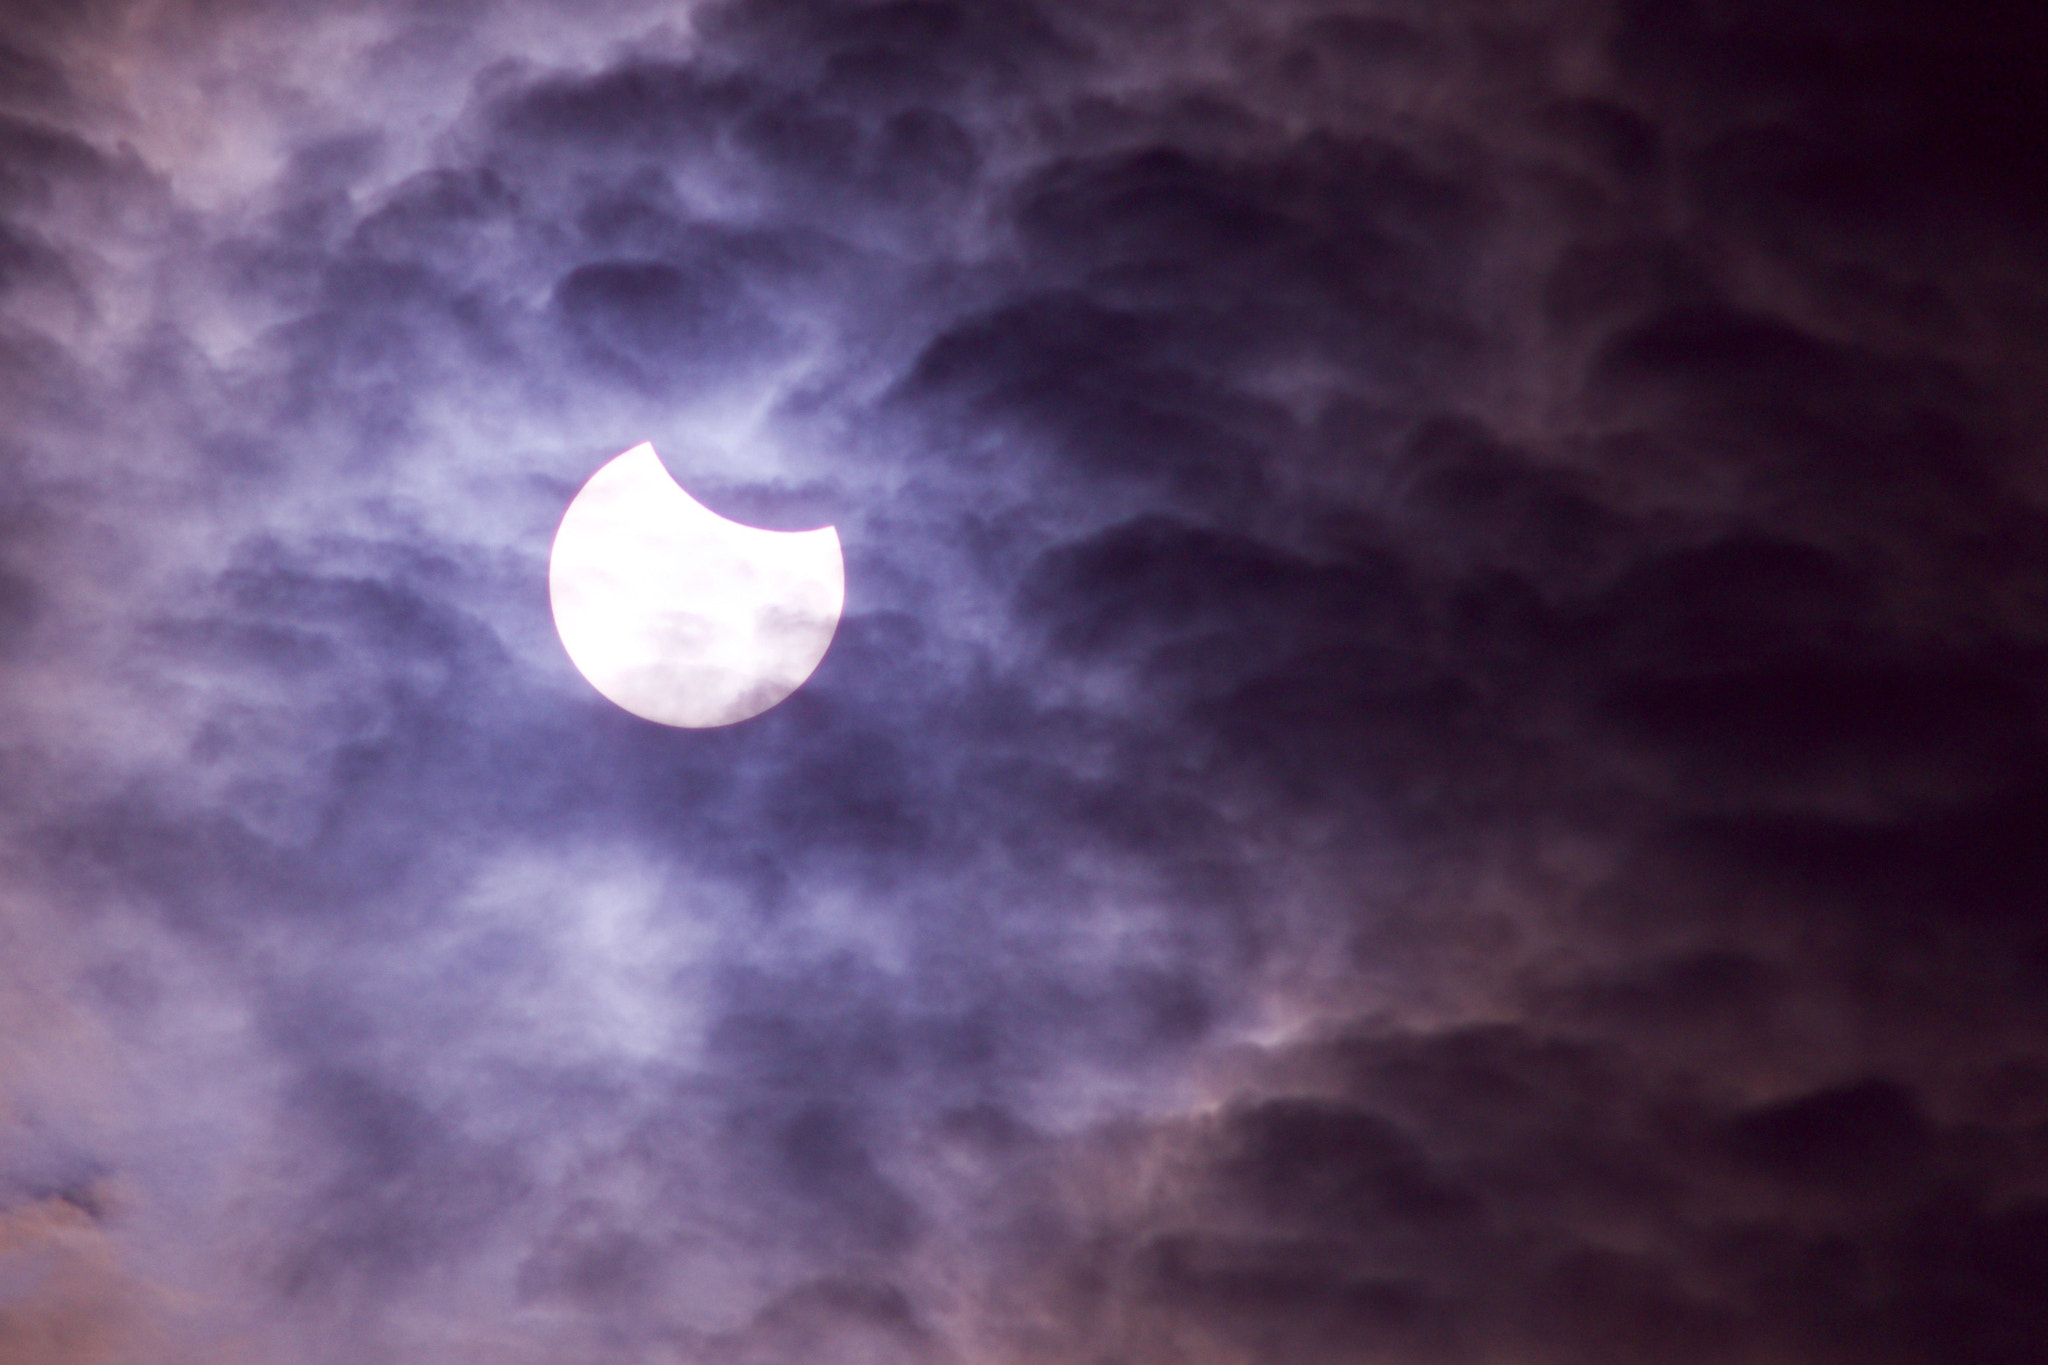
x: 1437, y: 1197
x: 1858, y: 118
x: 1434, y: 753
x: 652, y: 322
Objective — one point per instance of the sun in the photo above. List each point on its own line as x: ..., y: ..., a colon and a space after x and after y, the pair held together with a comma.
x: 683, y: 617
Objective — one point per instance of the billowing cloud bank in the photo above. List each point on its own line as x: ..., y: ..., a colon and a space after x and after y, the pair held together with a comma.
x: 1436, y: 754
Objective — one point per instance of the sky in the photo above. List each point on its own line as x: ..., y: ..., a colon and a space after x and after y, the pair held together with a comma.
x: 1436, y: 754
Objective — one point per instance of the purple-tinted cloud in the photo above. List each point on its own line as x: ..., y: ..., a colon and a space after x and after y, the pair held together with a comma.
x: 1435, y: 753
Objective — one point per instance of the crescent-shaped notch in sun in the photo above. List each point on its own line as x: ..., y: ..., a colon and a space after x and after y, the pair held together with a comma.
x: 680, y: 616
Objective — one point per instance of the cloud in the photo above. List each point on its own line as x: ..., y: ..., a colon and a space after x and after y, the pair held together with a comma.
x: 73, y: 1303
x: 1432, y: 755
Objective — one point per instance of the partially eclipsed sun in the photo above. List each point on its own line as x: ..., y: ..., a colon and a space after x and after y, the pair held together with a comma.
x: 680, y: 616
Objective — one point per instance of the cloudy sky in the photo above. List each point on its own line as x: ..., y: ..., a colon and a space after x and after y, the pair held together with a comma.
x: 1436, y: 755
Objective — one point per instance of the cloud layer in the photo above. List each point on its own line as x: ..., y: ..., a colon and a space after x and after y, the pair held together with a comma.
x: 1435, y: 756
